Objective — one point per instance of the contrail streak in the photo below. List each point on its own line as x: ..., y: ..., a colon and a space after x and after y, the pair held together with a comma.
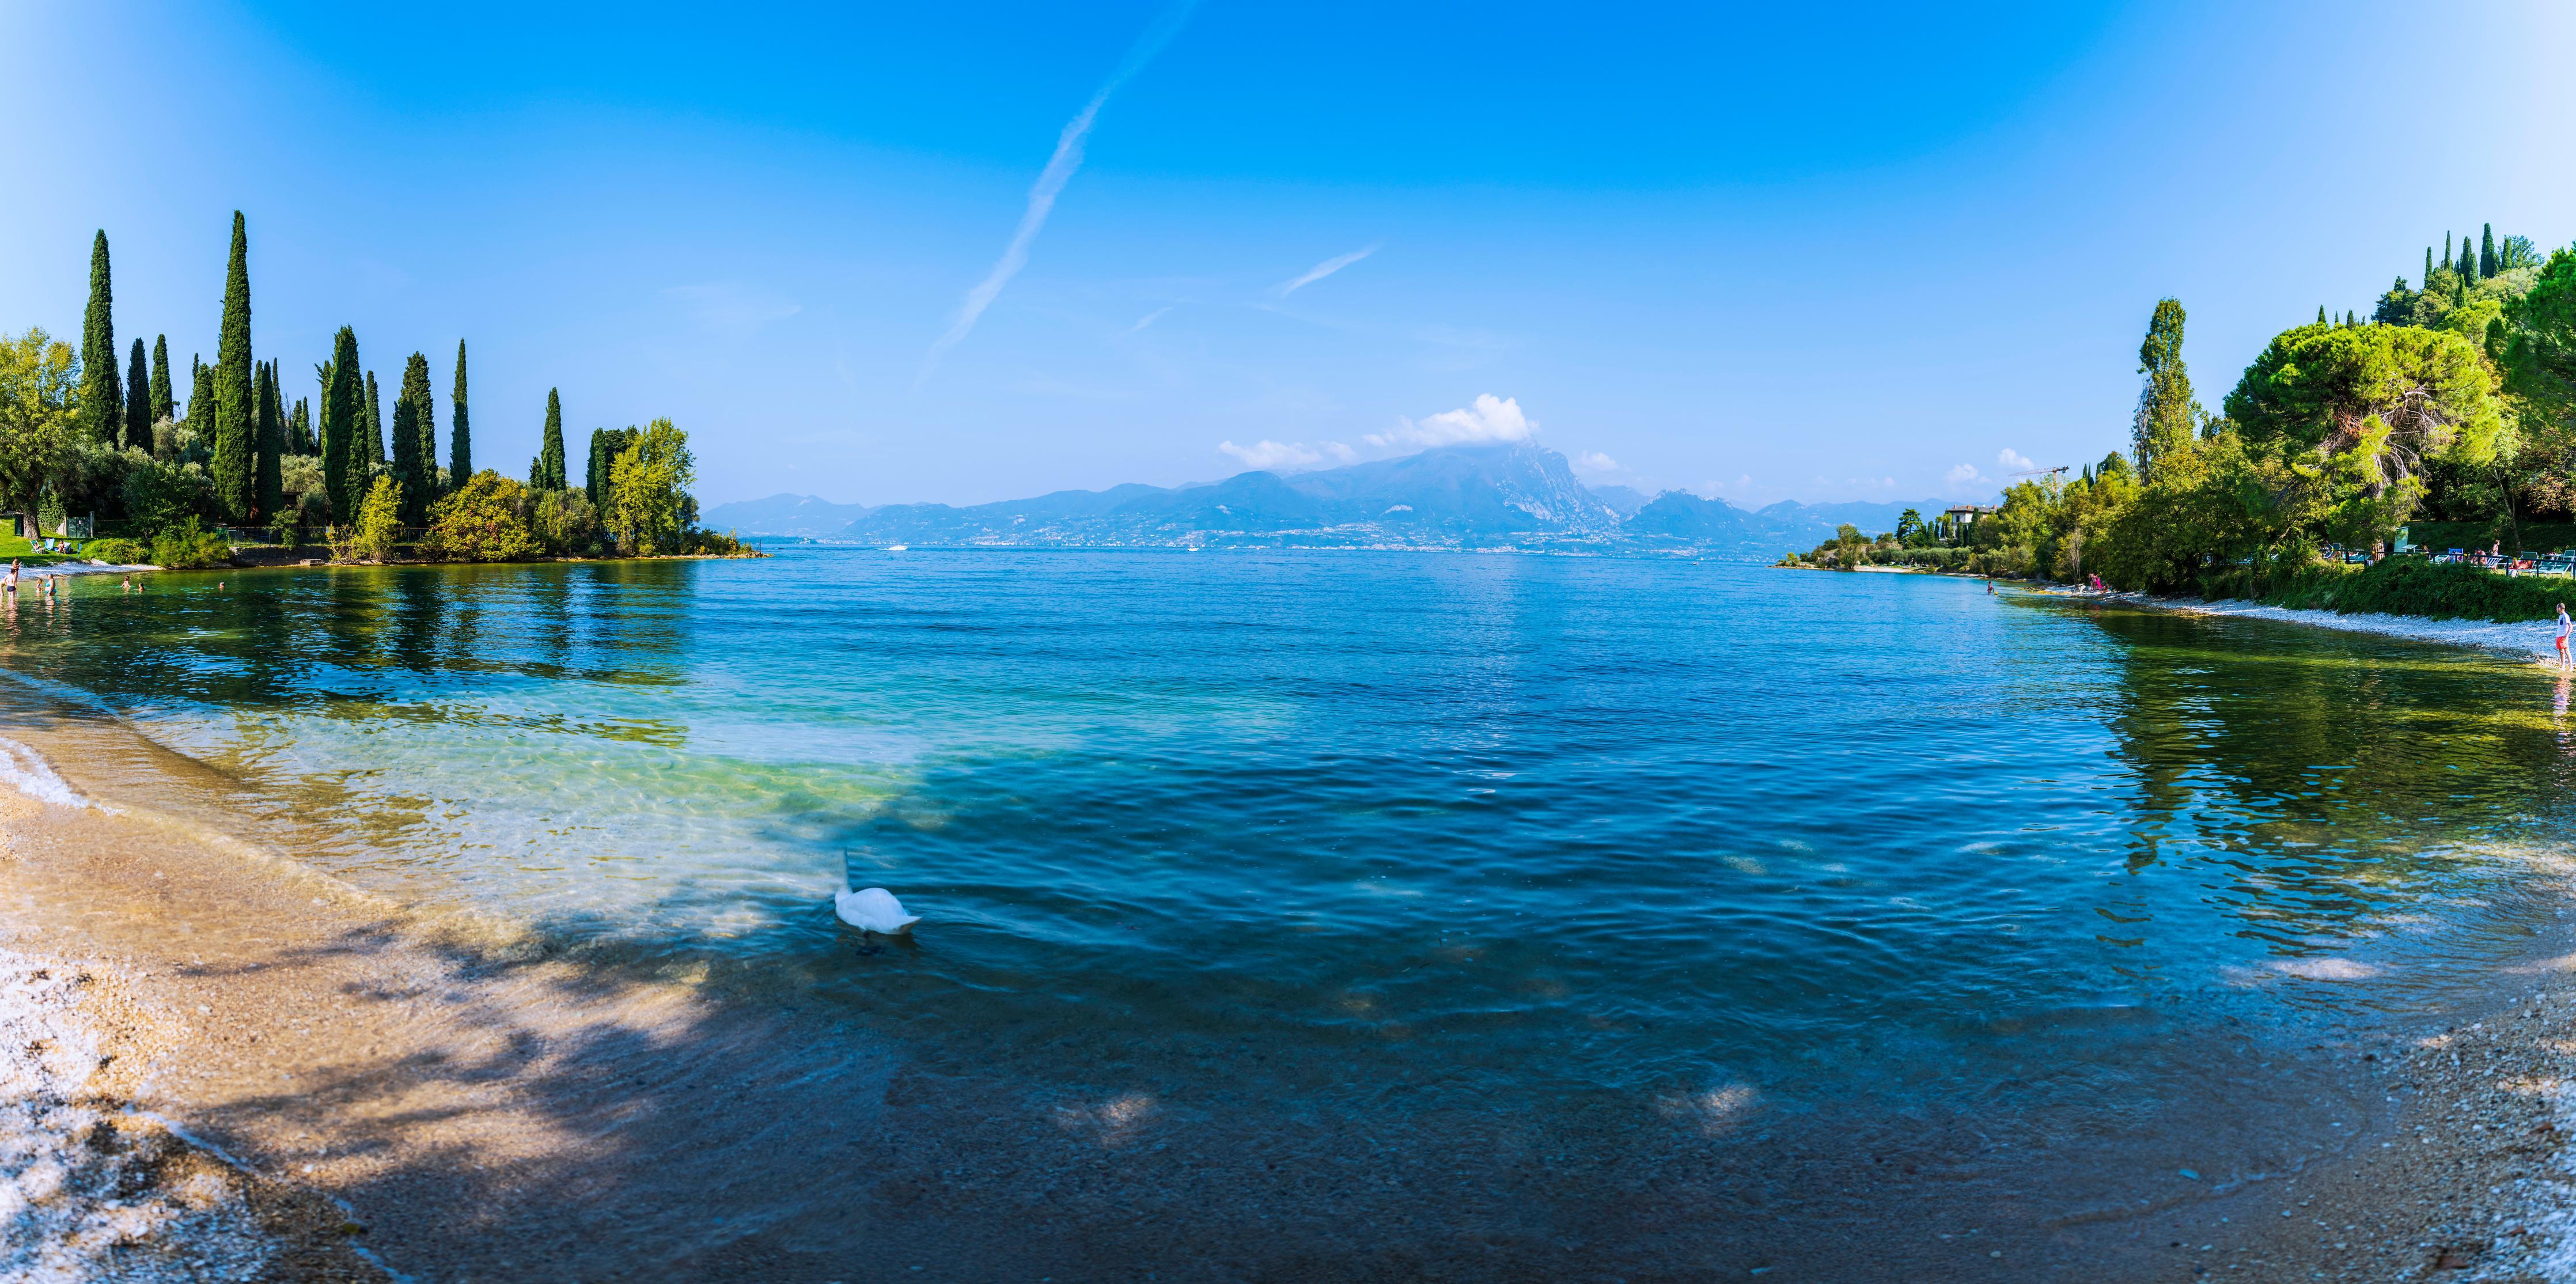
x: 1325, y: 269
x: 1059, y: 171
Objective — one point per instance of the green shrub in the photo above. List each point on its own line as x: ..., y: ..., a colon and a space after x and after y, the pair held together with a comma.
x: 121, y: 552
x: 2415, y: 586
x: 184, y: 547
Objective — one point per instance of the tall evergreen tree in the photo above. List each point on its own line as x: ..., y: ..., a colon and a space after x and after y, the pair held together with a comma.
x: 2428, y: 265
x: 102, y: 405
x: 269, y: 479
x: 2167, y: 415
x: 299, y: 430
x: 550, y: 460
x: 2447, y: 260
x: 2468, y: 260
x: 2486, y: 251
x: 425, y: 438
x: 371, y: 435
x: 412, y: 465
x: 343, y: 464
x: 594, y: 478
x: 201, y: 399
x: 460, y: 447
x: 164, y: 404
x: 2321, y: 314
x: 236, y: 448
x: 138, y: 403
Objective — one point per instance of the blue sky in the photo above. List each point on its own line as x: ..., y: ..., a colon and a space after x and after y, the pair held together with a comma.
x: 1801, y: 252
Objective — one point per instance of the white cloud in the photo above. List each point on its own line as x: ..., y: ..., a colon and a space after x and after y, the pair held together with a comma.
x: 1490, y: 419
x: 1325, y: 269
x: 2014, y: 460
x: 1268, y: 454
x: 1593, y: 461
x: 1964, y: 475
x: 1051, y: 180
x: 1148, y: 319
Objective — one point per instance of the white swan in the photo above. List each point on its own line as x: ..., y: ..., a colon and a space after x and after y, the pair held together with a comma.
x: 873, y: 909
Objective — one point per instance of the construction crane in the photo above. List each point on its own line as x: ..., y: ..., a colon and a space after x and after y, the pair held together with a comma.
x: 2044, y: 472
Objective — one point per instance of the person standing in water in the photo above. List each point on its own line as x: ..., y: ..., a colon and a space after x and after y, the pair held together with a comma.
x: 2563, y: 625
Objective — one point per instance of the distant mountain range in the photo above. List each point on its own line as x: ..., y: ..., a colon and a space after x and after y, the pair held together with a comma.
x: 1512, y: 496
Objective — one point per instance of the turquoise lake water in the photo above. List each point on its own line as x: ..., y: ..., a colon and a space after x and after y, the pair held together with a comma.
x: 1845, y: 866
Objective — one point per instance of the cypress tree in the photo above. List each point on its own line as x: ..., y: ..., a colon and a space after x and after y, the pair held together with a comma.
x: 414, y: 465
x: 235, y: 446
x: 138, y: 404
x: 270, y: 481
x: 425, y: 438
x: 342, y: 403
x: 2447, y: 260
x: 550, y: 463
x: 299, y: 430
x: 2321, y: 314
x: 102, y: 401
x: 593, y: 484
x: 460, y: 448
x: 371, y: 437
x: 164, y: 405
x: 2428, y: 265
x: 201, y: 399
x: 2468, y: 260
x: 2486, y: 251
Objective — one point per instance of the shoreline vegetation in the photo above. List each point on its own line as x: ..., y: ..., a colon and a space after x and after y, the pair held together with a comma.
x: 2449, y: 414
x: 101, y: 466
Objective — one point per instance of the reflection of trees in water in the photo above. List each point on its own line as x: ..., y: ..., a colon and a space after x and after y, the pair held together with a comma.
x: 2314, y: 772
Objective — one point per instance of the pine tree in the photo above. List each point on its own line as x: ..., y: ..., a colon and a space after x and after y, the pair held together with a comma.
x: 235, y: 446
x: 2167, y: 415
x: 550, y: 463
x: 138, y: 402
x: 460, y: 448
x: 412, y: 464
x: 2486, y: 251
x: 164, y: 404
x: 269, y: 480
x: 102, y: 405
x: 343, y: 400
x: 371, y: 435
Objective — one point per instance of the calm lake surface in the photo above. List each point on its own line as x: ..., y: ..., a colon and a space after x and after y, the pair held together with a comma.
x: 1811, y: 881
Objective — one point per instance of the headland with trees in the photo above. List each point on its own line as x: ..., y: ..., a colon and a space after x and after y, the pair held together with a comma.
x: 2448, y: 413
x: 108, y: 464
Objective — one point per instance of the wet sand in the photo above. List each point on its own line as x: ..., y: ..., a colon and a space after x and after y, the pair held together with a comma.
x: 488, y: 1111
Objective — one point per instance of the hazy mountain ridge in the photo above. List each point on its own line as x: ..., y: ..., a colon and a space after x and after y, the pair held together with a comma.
x: 1517, y: 495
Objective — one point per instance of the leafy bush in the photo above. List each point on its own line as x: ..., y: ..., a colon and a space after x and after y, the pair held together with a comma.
x: 2415, y: 586
x: 564, y: 522
x: 159, y: 494
x: 121, y: 552
x: 379, y: 521
x: 481, y: 522
x: 712, y: 544
x: 184, y: 547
